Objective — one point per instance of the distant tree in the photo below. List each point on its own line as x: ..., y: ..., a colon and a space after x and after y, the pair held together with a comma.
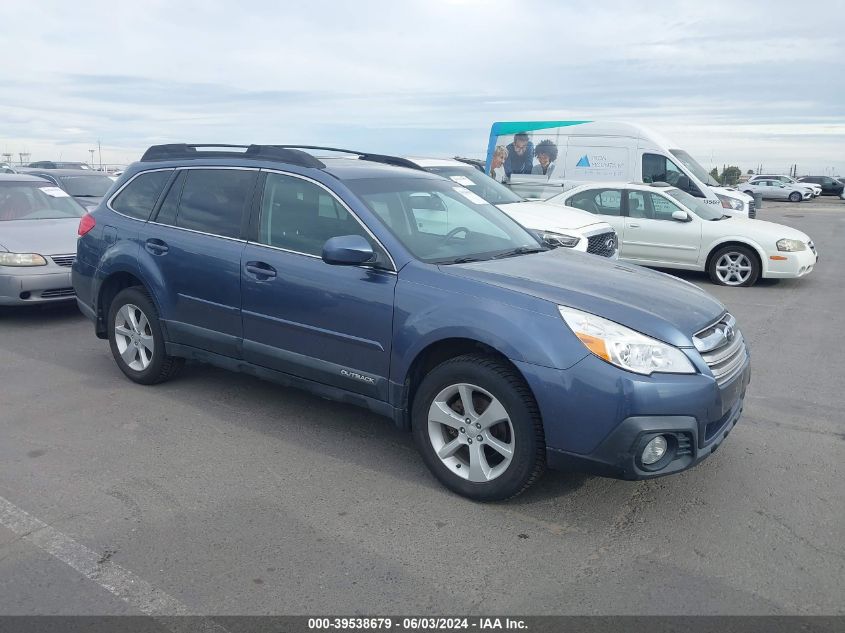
x: 750, y: 172
x: 730, y: 175
x: 715, y: 173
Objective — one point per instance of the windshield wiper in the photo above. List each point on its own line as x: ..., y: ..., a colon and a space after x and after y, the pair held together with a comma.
x: 463, y: 260
x: 521, y: 250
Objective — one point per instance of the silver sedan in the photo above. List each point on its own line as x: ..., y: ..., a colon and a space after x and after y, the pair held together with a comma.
x: 38, y: 225
x: 777, y: 190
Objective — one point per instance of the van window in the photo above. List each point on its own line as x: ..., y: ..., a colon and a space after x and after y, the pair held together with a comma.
x: 299, y: 216
x: 658, y: 168
x: 139, y: 197
x: 212, y: 201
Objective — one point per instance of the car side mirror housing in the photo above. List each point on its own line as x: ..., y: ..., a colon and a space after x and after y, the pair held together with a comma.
x: 348, y: 250
x: 680, y: 216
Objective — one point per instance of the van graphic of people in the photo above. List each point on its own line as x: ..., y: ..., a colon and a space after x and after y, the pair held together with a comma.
x: 497, y: 164
x: 546, y: 154
x: 520, y: 155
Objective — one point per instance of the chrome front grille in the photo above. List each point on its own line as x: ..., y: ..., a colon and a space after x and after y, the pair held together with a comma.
x: 752, y: 210
x: 812, y: 247
x: 63, y: 260
x: 723, y: 349
x: 603, y: 244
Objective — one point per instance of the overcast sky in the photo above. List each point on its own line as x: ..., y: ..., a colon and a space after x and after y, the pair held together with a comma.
x: 732, y: 82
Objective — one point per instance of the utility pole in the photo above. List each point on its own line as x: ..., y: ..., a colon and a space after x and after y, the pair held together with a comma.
x: 7, y: 157
x: 24, y: 156
x: 100, y: 150
x: 91, y: 151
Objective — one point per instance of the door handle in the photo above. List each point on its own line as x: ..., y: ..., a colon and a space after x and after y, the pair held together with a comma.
x: 634, y: 226
x: 156, y: 246
x: 260, y: 270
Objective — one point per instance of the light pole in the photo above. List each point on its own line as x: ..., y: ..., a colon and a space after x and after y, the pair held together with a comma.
x: 91, y: 151
x: 24, y: 156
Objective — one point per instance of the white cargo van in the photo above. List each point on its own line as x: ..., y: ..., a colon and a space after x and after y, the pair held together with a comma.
x: 539, y: 159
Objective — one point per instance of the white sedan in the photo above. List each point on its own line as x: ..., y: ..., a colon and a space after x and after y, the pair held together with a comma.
x: 773, y: 189
x: 660, y: 225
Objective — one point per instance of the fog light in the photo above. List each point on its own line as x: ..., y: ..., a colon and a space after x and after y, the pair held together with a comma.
x: 654, y: 450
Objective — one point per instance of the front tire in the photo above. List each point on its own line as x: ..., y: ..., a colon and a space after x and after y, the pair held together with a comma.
x: 478, y: 428
x: 795, y: 197
x: 734, y: 266
x: 136, y: 340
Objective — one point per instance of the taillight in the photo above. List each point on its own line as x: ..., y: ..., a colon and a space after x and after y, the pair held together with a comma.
x: 86, y: 223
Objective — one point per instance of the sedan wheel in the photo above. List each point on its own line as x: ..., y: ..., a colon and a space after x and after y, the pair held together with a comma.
x: 795, y: 197
x: 734, y: 266
x: 134, y: 337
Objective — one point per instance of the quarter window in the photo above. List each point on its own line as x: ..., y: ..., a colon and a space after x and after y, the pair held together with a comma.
x: 299, y: 216
x: 604, y: 201
x: 139, y: 197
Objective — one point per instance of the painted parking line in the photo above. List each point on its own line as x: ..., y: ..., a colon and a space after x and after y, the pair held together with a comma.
x: 115, y: 579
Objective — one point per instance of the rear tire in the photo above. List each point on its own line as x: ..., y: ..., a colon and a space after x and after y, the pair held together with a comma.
x: 795, y: 197
x: 734, y: 266
x: 136, y: 339
x: 511, y: 454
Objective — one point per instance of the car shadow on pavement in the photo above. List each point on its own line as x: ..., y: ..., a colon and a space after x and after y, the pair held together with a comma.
x: 703, y: 279
x: 44, y: 313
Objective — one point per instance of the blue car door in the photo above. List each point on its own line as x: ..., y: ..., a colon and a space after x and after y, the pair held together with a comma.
x: 327, y: 323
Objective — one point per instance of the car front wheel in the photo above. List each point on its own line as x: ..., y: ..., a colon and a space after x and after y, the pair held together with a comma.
x: 478, y: 428
x: 734, y: 266
x: 795, y: 197
x: 136, y: 340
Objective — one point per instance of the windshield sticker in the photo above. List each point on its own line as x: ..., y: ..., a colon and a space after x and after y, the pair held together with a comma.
x: 469, y: 195
x: 55, y: 192
x: 462, y: 180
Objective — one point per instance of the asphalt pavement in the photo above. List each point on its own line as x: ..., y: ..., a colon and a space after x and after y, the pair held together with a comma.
x: 218, y: 493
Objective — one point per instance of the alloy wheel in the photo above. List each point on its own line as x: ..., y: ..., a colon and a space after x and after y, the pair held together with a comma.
x: 471, y: 432
x: 733, y: 269
x: 134, y: 337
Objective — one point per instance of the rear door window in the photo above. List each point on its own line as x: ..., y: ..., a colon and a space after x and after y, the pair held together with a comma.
x: 139, y: 197
x: 602, y: 201
x: 210, y: 201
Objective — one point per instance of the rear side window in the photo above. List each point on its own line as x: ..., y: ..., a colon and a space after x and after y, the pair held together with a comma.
x: 139, y: 197
x: 604, y: 201
x: 209, y: 200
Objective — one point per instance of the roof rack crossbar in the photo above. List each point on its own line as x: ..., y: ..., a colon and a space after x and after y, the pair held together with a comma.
x: 278, y: 153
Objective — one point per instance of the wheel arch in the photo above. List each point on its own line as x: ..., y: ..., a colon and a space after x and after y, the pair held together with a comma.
x: 110, y: 286
x: 761, y: 256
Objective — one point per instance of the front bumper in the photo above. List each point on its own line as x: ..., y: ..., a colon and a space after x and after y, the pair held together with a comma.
x: 797, y: 264
x: 41, y: 284
x: 597, y: 417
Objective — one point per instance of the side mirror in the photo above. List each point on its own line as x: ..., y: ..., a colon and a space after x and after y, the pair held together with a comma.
x: 348, y: 250
x: 680, y: 216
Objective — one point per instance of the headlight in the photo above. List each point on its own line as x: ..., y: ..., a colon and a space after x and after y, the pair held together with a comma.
x: 559, y: 239
x: 22, y: 259
x: 730, y: 203
x: 624, y: 347
x: 790, y: 246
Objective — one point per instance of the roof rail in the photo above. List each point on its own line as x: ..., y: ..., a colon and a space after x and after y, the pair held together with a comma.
x: 278, y: 153
x: 376, y: 158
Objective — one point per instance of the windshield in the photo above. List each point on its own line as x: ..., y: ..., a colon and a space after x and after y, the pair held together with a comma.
x: 441, y: 221
x: 469, y: 177
x: 94, y: 186
x: 696, y: 205
x: 36, y: 201
x: 697, y: 170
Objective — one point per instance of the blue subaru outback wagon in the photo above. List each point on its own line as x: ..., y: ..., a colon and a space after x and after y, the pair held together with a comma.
x: 362, y: 278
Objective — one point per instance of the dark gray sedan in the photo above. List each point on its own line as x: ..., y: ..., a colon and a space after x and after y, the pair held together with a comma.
x: 86, y: 185
x: 38, y: 225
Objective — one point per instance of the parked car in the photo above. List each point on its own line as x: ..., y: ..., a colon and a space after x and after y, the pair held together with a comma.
x: 37, y: 240
x: 570, y: 229
x: 6, y: 168
x: 816, y: 189
x: 660, y: 225
x: 778, y: 190
x: 501, y: 355
x: 86, y: 185
x: 50, y: 164
x: 582, y: 152
x: 830, y: 186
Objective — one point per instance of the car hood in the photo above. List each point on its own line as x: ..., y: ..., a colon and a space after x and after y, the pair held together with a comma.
x: 767, y: 233
x: 656, y: 304
x: 545, y: 216
x: 45, y: 237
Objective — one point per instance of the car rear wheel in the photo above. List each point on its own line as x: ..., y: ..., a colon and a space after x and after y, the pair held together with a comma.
x: 478, y: 428
x: 136, y: 340
x: 734, y: 266
x: 795, y: 197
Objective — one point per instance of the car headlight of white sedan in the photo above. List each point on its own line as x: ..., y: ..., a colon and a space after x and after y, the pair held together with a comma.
x: 791, y: 246
x: 624, y: 347
x: 559, y: 239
